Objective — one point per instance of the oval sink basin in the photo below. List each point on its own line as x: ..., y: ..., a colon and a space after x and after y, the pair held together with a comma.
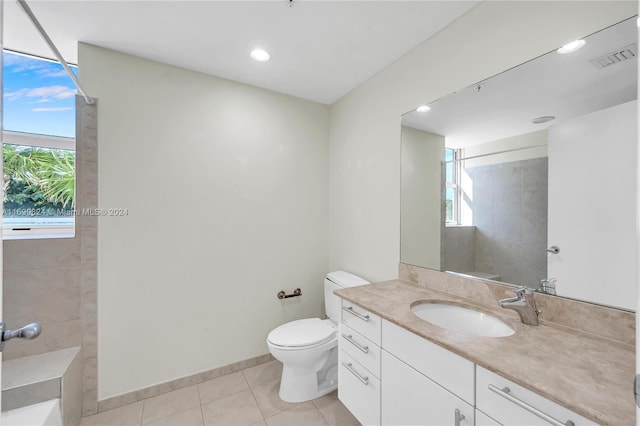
x: 462, y: 320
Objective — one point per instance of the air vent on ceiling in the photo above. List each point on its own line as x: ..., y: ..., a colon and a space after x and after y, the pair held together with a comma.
x: 616, y: 56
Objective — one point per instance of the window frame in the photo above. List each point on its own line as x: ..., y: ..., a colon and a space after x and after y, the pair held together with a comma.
x: 41, y: 141
x: 455, y: 184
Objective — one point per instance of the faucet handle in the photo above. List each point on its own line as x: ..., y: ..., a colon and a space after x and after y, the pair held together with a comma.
x: 520, y: 291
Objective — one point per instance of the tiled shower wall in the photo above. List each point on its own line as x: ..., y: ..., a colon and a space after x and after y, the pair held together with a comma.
x: 53, y: 281
x: 510, y: 215
x: 458, y: 245
x: 42, y: 283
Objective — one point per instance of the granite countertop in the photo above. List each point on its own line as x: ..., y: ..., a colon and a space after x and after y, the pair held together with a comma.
x: 587, y: 374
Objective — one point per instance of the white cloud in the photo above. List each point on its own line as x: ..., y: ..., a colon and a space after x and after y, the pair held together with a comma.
x: 53, y: 109
x: 15, y: 95
x: 45, y: 94
x: 57, y: 92
x: 52, y: 73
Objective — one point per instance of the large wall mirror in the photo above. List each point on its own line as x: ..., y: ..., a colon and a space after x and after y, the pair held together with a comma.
x: 534, y: 172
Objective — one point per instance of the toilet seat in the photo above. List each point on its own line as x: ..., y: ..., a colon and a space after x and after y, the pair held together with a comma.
x: 302, y: 334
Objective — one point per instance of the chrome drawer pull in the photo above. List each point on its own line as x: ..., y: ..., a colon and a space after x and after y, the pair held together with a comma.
x: 352, y: 312
x: 458, y: 417
x: 349, y: 367
x: 504, y: 392
x: 349, y: 338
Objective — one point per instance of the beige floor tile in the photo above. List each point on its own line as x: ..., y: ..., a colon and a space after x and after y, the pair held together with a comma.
x: 334, y: 410
x: 239, y: 409
x: 326, y: 399
x: 302, y: 414
x: 192, y: 417
x: 128, y: 415
x: 221, y: 387
x: 171, y: 403
x: 260, y: 423
x: 263, y: 373
x: 269, y: 400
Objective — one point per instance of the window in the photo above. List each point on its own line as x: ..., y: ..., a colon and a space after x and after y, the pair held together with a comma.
x: 38, y: 149
x: 452, y: 185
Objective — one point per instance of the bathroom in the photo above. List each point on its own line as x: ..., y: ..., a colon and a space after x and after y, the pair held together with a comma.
x: 288, y: 189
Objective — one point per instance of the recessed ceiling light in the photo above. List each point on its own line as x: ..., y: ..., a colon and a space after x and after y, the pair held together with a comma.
x: 544, y: 119
x: 260, y: 55
x: 423, y: 108
x: 571, y: 47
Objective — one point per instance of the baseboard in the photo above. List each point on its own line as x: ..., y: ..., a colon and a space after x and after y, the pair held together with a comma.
x: 183, y: 382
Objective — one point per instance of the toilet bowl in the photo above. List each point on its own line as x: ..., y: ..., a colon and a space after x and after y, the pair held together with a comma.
x: 308, y: 348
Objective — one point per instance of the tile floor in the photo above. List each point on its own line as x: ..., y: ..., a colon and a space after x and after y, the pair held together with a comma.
x: 246, y: 398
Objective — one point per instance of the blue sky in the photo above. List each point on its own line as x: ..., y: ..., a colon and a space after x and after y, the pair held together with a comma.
x: 39, y: 96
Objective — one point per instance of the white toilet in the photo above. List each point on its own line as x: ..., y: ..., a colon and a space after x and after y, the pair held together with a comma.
x: 308, y: 348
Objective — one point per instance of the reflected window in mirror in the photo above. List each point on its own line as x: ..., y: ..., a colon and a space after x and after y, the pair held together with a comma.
x: 452, y: 186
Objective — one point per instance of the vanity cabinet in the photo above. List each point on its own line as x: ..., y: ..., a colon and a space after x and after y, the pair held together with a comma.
x: 359, y: 363
x: 390, y: 376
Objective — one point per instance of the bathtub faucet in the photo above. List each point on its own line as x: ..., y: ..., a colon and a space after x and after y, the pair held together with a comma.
x: 29, y: 331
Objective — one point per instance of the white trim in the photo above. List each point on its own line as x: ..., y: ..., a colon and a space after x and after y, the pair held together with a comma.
x: 42, y: 141
x: 38, y: 232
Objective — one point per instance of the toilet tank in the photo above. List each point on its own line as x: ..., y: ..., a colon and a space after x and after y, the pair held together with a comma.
x: 335, y: 281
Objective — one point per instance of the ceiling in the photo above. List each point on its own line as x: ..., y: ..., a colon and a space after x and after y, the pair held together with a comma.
x: 320, y: 50
x: 557, y: 85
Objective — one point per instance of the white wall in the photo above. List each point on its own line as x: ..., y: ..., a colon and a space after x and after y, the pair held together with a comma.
x: 227, y: 191
x: 592, y: 205
x: 365, y: 124
x: 421, y: 224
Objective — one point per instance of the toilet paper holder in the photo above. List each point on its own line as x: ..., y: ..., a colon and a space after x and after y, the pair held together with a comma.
x: 282, y: 295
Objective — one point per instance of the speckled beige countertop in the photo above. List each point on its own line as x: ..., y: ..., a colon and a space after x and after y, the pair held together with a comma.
x: 588, y: 374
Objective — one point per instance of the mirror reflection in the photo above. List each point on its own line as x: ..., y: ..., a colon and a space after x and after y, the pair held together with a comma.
x: 534, y: 172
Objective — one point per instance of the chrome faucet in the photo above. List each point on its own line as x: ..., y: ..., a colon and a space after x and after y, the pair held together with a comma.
x: 547, y: 285
x: 523, y: 304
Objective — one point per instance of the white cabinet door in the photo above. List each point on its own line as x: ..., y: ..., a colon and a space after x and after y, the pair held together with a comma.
x: 447, y: 369
x: 409, y: 398
x: 483, y: 420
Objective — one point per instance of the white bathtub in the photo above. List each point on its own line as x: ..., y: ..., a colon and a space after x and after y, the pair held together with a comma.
x: 44, y: 413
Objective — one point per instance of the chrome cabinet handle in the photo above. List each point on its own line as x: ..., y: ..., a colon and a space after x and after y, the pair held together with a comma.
x: 458, y: 417
x: 349, y: 338
x: 352, y: 312
x: 504, y: 392
x: 349, y: 367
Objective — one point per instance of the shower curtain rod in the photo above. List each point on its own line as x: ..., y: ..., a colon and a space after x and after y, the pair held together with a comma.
x: 27, y: 10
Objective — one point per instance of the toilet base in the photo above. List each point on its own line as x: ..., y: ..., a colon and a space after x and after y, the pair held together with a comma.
x: 299, y: 385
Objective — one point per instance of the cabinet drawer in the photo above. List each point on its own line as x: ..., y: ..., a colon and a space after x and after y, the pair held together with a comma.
x: 362, y: 321
x: 449, y: 370
x: 360, y: 349
x: 518, y: 405
x: 358, y: 390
